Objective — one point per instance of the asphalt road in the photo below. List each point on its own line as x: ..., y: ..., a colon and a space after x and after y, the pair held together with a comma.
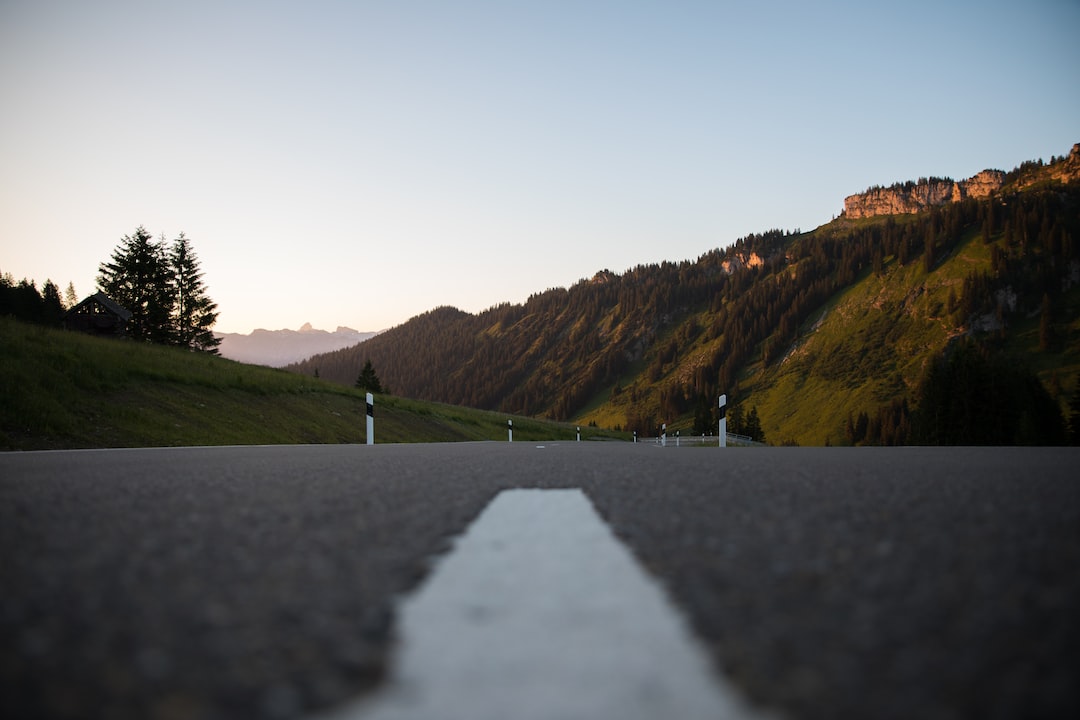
x: 261, y: 582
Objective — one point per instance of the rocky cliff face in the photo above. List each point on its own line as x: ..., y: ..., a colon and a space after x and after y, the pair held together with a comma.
x: 1068, y: 169
x: 910, y: 197
x: 738, y: 262
x: 916, y: 197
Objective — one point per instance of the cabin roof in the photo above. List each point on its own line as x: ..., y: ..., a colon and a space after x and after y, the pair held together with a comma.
x: 106, y: 303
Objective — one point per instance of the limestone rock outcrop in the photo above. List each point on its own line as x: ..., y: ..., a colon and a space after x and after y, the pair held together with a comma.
x: 1068, y: 169
x: 738, y: 262
x: 913, y: 197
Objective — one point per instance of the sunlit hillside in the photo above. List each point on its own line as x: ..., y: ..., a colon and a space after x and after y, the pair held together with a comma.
x: 808, y: 329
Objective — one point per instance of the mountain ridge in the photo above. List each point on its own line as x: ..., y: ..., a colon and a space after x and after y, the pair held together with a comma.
x: 913, y: 197
x: 917, y: 197
x: 659, y: 342
x: 277, y: 348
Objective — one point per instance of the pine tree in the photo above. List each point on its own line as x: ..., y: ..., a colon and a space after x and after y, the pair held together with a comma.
x: 71, y: 298
x: 52, y: 307
x: 703, y: 416
x: 735, y: 424
x: 162, y: 287
x: 137, y: 277
x: 193, y: 312
x: 753, y: 425
x: 368, y: 380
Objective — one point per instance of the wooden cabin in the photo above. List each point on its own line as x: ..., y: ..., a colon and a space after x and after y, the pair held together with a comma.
x: 98, y: 315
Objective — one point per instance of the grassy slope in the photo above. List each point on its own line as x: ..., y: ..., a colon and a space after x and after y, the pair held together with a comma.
x: 873, y: 342
x: 66, y: 390
x: 868, y: 344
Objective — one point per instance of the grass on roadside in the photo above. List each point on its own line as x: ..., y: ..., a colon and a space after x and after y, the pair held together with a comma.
x: 68, y: 390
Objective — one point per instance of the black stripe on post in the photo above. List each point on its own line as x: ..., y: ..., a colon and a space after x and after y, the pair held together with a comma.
x: 370, y: 410
x: 723, y: 411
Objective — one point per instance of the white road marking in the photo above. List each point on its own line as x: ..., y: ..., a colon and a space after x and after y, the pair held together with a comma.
x: 539, y: 613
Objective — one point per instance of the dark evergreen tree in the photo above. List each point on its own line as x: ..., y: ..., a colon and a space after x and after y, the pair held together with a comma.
x: 735, y: 421
x: 903, y: 253
x: 703, y: 416
x: 753, y: 426
x: 137, y: 277
x: 7, y: 284
x: 862, y: 426
x: 193, y: 312
x: 163, y: 289
x: 368, y: 380
x: 974, y: 397
x: 52, y: 307
x: 25, y: 302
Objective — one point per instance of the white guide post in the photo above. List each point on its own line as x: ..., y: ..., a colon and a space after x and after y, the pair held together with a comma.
x: 509, y: 431
x: 663, y: 435
x: 678, y: 433
x: 723, y: 420
x: 579, y: 433
x: 370, y: 419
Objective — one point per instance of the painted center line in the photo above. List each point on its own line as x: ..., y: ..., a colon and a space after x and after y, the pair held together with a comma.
x: 539, y: 612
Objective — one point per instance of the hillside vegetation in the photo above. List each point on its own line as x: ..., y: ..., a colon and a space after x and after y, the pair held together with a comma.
x: 828, y: 334
x: 68, y: 390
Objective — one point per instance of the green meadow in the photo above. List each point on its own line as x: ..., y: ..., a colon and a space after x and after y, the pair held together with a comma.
x: 67, y: 390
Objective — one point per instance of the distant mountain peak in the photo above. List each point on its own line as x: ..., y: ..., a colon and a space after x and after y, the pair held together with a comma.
x: 278, y: 348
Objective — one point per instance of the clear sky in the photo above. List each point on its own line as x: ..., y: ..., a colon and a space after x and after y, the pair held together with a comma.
x: 357, y: 163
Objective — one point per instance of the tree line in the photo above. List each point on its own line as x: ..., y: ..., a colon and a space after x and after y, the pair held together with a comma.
x: 553, y: 354
x: 159, y: 282
x: 23, y: 300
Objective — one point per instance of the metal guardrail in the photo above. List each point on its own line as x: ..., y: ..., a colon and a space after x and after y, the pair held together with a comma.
x: 702, y: 441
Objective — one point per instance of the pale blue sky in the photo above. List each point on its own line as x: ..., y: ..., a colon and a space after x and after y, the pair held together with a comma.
x: 358, y: 163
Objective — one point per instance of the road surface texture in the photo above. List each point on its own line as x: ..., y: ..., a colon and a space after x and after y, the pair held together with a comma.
x: 261, y: 582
